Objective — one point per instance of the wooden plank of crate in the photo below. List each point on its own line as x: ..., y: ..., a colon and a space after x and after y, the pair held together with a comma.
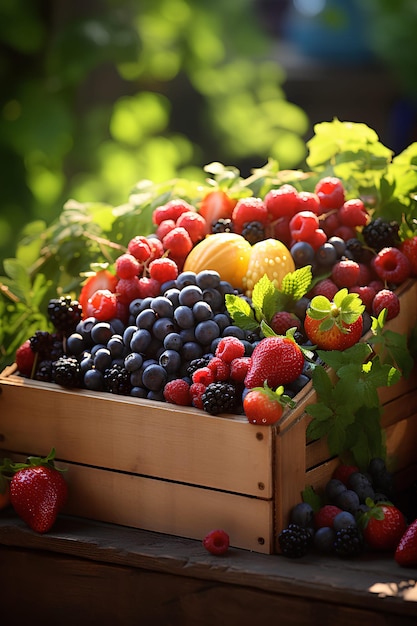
x: 166, y: 507
x: 402, y: 443
x: 139, y: 436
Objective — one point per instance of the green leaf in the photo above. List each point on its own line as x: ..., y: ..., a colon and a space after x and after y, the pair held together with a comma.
x: 241, y: 312
x: 312, y: 498
x: 322, y: 383
x: 296, y: 284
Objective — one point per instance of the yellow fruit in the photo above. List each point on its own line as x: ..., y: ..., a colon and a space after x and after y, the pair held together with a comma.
x: 270, y: 257
x: 226, y: 253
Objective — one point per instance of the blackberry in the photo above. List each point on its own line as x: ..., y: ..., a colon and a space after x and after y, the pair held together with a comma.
x: 41, y: 342
x: 295, y: 541
x: 219, y: 398
x: 64, y: 313
x: 44, y: 371
x: 348, y: 542
x: 66, y: 372
x: 195, y: 364
x: 253, y: 232
x: 354, y: 249
x: 223, y: 225
x: 117, y: 380
x: 380, y: 234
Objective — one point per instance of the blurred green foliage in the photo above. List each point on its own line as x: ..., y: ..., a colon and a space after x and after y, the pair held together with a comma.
x: 96, y: 96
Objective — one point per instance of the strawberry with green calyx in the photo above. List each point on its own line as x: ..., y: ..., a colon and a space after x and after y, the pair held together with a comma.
x: 38, y: 491
x: 263, y: 406
x: 382, y: 526
x: 335, y: 325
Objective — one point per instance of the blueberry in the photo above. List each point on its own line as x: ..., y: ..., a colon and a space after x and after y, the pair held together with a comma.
x: 154, y: 377
x: 184, y: 317
x: 324, y: 539
x: 348, y: 500
x: 102, y: 359
x: 146, y: 319
x: 76, y: 344
x: 173, y: 341
x: 302, y: 254
x: 302, y: 514
x: 190, y: 294
x: 173, y: 294
x: 186, y: 278
x: 170, y: 361
x: 138, y: 392
x: 133, y: 361
x: 214, y: 298
x: 233, y: 331
x: 222, y: 320
x: 202, y: 311
x: 140, y: 340
x: 191, y: 350
x: 128, y: 334
x: 206, y: 331
x: 101, y: 332
x: 207, y: 279
x: 94, y: 380
x: 225, y: 288
x: 361, y: 484
x: 162, y: 306
x: 162, y: 327
x: 343, y: 520
x: 116, y: 346
x: 334, y: 488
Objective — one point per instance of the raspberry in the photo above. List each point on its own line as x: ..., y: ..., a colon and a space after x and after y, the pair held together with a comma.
x: 325, y: 287
x: 196, y: 394
x: 177, y: 391
x: 164, y: 228
x: 392, y: 266
x: 249, y: 210
x: 365, y: 275
x: 171, y: 211
x: 239, y: 368
x: 386, y: 299
x: 317, y: 239
x: 102, y: 305
x: 148, y: 287
x: 128, y: 289
x: 409, y: 248
x: 345, y: 273
x: 281, y: 231
x: 343, y: 472
x: 344, y: 232
x: 194, y: 224
x: 216, y: 542
x: 330, y: 223
x: 178, y: 242
x: 353, y: 213
x: 366, y: 294
x: 282, y: 202
x: 127, y: 266
x: 376, y: 285
x: 303, y: 226
x: 229, y: 348
x: 325, y: 515
x: 331, y: 192
x: 282, y: 321
x: 25, y: 358
x: 220, y: 368
x: 203, y: 375
x: 139, y: 247
x: 308, y: 201
x: 163, y: 270
x: 156, y: 247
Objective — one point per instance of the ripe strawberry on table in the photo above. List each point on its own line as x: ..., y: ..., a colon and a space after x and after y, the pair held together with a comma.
x: 217, y: 204
x: 406, y: 551
x: 335, y: 325
x: 383, y: 526
x: 276, y: 360
x: 38, y: 492
x: 263, y: 406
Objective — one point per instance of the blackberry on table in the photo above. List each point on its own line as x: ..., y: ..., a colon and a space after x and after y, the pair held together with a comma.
x: 219, y: 397
x: 295, y: 541
x: 42, y: 342
x: 44, y: 371
x: 223, y: 225
x: 380, y: 234
x: 348, y: 542
x: 253, y: 232
x: 117, y: 380
x: 64, y: 313
x: 66, y: 372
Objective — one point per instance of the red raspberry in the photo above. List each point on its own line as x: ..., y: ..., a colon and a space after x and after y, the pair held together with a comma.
x: 128, y: 289
x: 249, y: 210
x: 303, y: 226
x: 203, y: 375
x: 282, y: 202
x: 239, y: 368
x: 282, y: 321
x: 308, y: 201
x: 156, y: 246
x: 139, y: 247
x: 148, y: 287
x: 317, y: 239
x: 216, y: 542
x: 376, y: 285
x: 325, y: 287
x: 330, y: 223
x: 127, y: 266
x: 344, y: 232
x: 366, y: 294
x: 392, y: 266
x: 409, y: 248
x: 229, y: 348
x: 345, y: 273
x: 177, y: 391
x: 220, y: 368
x: 196, y: 393
x: 386, y: 299
x: 178, y: 242
x: 164, y: 228
x: 281, y: 230
x: 343, y: 472
x: 171, y: 211
x: 194, y: 224
x: 353, y: 213
x: 365, y: 275
x: 102, y: 305
x: 163, y: 270
x: 331, y: 192
x: 25, y: 358
x: 325, y: 516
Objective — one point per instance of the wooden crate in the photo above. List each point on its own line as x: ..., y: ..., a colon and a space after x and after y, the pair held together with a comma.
x: 180, y: 471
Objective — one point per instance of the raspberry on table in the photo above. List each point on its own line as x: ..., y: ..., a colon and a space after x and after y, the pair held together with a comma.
x: 326, y: 287
x: 392, y: 266
x: 282, y: 202
x: 249, y: 210
x: 171, y: 210
x: 386, y: 299
x: 353, y: 213
x: 345, y: 273
x: 331, y: 192
x: 366, y: 294
x: 196, y: 393
x: 409, y: 248
x: 219, y: 367
x: 229, y: 348
x: 194, y: 224
x: 178, y: 242
x: 239, y: 367
x: 325, y: 515
x: 139, y: 248
x: 177, y: 391
x: 282, y: 321
x: 163, y: 270
x: 164, y: 228
x: 127, y: 266
x: 217, y: 542
x: 203, y: 375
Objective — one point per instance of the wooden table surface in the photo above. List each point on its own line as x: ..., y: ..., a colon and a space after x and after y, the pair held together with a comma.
x: 84, y: 572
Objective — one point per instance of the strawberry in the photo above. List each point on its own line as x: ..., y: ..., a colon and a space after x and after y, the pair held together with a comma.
x: 383, y: 526
x: 335, y: 325
x: 216, y: 205
x: 275, y: 361
x: 98, y: 281
x: 38, y: 492
x: 263, y: 406
x: 406, y: 551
